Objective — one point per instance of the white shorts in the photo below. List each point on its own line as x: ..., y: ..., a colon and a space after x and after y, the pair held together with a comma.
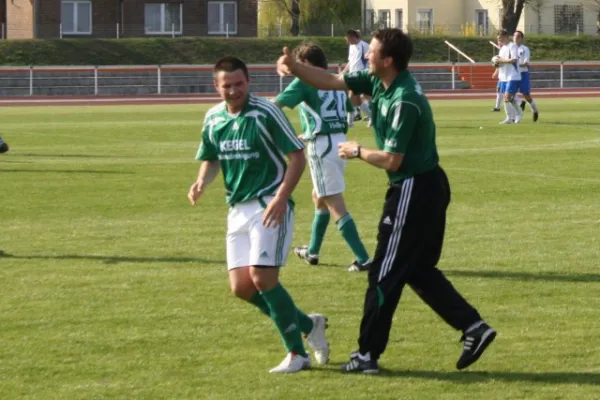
x: 326, y: 166
x: 249, y: 243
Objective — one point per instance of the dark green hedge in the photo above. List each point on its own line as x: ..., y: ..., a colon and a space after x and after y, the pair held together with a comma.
x: 206, y: 50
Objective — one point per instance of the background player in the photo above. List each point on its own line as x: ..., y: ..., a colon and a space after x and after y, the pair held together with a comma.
x: 248, y: 138
x: 525, y: 85
x: 323, y: 117
x: 357, y: 61
x: 510, y: 77
x: 3, y: 146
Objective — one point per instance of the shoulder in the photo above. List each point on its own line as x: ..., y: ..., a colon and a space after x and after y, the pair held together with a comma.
x: 410, y: 97
x: 264, y: 108
x: 214, y: 111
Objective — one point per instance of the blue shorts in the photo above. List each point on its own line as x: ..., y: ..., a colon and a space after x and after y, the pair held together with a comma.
x: 525, y: 85
x: 510, y: 87
x: 499, y: 86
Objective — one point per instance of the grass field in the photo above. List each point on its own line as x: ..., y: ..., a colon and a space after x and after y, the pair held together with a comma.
x: 113, y: 287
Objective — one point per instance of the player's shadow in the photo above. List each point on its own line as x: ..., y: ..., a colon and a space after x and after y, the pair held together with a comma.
x: 470, y: 377
x: 66, y: 155
x: 111, y: 260
x: 525, y: 276
x: 66, y: 171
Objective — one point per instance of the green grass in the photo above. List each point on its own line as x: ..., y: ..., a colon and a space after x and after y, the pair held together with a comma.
x: 113, y: 287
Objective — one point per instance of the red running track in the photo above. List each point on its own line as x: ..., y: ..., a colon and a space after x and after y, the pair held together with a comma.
x: 208, y: 99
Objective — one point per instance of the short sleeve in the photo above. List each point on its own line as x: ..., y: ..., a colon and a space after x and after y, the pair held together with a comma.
x: 292, y: 95
x: 281, y: 130
x: 402, y: 120
x: 207, y: 150
x: 359, y: 82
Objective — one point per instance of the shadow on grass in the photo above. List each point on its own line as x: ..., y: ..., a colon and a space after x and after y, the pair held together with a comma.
x: 467, y: 377
x: 114, y: 259
x: 65, y: 171
x: 526, y: 276
x: 66, y: 155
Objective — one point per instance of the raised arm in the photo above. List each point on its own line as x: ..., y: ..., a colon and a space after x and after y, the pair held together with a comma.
x: 318, y: 78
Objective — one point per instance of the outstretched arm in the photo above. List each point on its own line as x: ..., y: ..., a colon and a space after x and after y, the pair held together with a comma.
x: 318, y: 78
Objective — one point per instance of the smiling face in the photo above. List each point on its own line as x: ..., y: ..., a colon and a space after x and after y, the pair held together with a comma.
x: 377, y: 63
x: 233, y: 88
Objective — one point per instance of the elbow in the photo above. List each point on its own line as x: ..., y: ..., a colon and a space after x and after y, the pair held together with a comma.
x: 393, y: 163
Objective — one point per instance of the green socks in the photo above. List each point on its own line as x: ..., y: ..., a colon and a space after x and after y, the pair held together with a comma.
x: 285, y: 315
x: 319, y: 227
x: 306, y: 324
x: 348, y: 230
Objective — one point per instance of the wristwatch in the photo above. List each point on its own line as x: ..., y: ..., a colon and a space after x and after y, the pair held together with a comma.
x: 356, y: 152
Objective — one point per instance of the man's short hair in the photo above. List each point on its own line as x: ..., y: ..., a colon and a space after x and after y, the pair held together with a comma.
x: 312, y: 53
x: 230, y: 64
x: 353, y: 33
x: 521, y: 34
x: 503, y: 33
x: 395, y: 44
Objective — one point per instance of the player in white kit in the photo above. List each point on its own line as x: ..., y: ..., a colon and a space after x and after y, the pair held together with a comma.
x: 357, y: 61
x: 525, y: 86
x: 510, y: 76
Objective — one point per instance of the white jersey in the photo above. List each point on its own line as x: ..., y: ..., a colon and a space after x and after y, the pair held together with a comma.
x: 509, y: 72
x: 524, y: 57
x: 357, y: 56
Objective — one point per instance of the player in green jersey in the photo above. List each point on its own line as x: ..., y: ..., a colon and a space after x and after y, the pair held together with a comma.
x: 412, y: 226
x: 323, y: 118
x: 249, y: 139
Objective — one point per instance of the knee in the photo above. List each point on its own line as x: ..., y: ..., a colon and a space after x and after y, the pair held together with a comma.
x: 264, y: 279
x: 243, y: 290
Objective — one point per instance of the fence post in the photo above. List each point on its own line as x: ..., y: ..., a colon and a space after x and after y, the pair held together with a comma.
x: 31, y: 80
x: 173, y: 30
x: 95, y: 80
x: 453, y: 75
x: 280, y: 30
x: 61, y: 32
x: 332, y: 30
x: 2, y: 30
x: 117, y: 30
x: 562, y: 74
x: 577, y: 29
x: 158, y: 80
x: 227, y: 30
x: 280, y: 83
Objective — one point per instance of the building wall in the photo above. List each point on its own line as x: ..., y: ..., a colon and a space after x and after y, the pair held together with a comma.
x: 19, y: 19
x: 447, y: 15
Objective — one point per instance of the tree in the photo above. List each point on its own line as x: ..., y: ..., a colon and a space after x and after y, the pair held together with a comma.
x: 594, y: 5
x: 511, y: 14
x: 537, y: 6
x: 280, y: 8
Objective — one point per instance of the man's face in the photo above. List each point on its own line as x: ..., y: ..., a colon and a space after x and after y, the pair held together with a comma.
x: 351, y: 40
x: 377, y: 64
x: 517, y: 38
x: 232, y: 87
x: 503, y: 40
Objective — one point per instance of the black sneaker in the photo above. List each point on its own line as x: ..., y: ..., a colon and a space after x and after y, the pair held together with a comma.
x: 495, y: 110
x: 302, y: 252
x: 356, y: 364
x: 476, y: 341
x: 358, y: 267
x: 3, y: 146
x: 535, y: 116
x: 523, y: 105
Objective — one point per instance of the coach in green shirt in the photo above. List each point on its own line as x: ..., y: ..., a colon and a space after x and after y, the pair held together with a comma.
x: 411, y: 229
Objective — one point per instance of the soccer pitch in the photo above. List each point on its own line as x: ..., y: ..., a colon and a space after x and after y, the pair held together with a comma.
x: 112, y: 286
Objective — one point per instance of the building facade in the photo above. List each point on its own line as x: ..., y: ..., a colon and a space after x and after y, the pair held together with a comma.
x: 480, y: 17
x: 26, y: 19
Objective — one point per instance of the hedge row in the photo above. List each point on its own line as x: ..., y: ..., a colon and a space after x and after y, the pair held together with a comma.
x: 148, y: 51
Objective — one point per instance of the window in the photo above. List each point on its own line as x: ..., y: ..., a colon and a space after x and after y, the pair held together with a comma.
x: 76, y: 17
x: 481, y: 22
x: 162, y: 18
x: 425, y: 20
x: 369, y: 19
x: 222, y: 17
x: 383, y: 17
x: 568, y: 18
x: 399, y: 18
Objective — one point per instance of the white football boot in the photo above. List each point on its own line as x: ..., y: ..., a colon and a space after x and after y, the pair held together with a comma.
x: 291, y: 363
x: 317, y: 340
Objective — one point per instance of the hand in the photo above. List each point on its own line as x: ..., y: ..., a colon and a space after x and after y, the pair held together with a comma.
x: 275, y: 212
x: 285, y: 63
x: 347, y: 150
x: 196, y: 191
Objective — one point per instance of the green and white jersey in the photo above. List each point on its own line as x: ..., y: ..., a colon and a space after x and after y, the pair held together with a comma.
x: 322, y: 112
x: 251, y: 147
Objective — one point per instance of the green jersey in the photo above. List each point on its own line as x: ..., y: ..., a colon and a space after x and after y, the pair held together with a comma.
x: 402, y: 120
x: 251, y: 147
x: 322, y: 112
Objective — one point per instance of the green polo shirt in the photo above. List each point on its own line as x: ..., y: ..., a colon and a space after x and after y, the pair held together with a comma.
x: 402, y: 120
